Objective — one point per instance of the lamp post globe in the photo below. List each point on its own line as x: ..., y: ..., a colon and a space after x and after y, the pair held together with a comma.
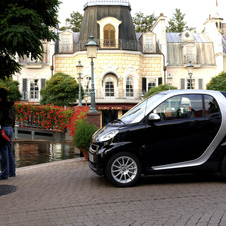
x: 169, y: 78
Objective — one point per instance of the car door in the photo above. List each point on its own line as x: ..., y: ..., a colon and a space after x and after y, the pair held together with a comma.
x: 184, y: 132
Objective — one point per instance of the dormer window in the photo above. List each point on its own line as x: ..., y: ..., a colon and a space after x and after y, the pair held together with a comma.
x: 66, y: 42
x: 189, y: 52
x: 149, y: 43
x: 109, y: 36
x: 109, y: 32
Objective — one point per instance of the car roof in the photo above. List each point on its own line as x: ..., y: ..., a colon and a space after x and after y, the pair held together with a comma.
x: 189, y: 91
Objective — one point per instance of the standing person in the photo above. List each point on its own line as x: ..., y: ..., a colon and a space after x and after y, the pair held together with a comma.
x: 7, y: 122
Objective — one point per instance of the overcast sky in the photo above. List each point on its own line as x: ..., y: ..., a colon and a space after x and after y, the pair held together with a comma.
x: 196, y: 11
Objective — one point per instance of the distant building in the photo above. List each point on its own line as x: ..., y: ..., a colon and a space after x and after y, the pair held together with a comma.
x: 128, y: 64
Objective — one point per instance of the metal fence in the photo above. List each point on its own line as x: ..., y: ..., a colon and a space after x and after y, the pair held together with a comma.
x: 109, y: 44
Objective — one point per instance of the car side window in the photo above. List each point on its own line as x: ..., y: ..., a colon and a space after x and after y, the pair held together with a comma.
x: 211, y: 105
x: 181, y: 106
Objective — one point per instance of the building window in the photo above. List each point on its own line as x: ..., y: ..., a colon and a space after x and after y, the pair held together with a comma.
x: 109, y: 86
x: 190, y: 83
x: 149, y: 46
x: 66, y: 43
x: 109, y: 36
x: 195, y: 83
x: 129, y: 87
x: 34, y: 89
x: 190, y: 54
x: 87, y: 84
x: 151, y: 83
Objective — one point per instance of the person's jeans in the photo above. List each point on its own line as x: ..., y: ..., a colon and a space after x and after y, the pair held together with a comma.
x: 7, y: 162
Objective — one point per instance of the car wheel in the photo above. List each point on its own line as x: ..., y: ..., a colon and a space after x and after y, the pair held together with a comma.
x: 123, y: 169
x: 223, y: 168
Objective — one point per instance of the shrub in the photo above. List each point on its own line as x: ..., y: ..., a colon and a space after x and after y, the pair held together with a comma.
x: 83, y: 134
x: 160, y: 88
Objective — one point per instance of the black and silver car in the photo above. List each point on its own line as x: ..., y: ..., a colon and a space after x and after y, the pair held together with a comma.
x: 170, y: 132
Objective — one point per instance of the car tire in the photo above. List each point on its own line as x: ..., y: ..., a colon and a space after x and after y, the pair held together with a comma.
x: 223, y: 168
x: 123, y: 169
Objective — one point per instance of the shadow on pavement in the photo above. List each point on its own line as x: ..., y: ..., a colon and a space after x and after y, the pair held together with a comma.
x: 181, y: 178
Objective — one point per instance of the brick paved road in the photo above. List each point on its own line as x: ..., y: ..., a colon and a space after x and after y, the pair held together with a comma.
x: 69, y: 193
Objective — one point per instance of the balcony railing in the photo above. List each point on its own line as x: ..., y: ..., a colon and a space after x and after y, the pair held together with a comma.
x: 116, y: 94
x: 109, y: 44
x: 99, y: 94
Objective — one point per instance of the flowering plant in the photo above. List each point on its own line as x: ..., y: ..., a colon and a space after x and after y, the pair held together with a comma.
x: 43, y: 116
x: 78, y: 116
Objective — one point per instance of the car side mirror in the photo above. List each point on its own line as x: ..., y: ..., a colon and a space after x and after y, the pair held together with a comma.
x: 153, y: 117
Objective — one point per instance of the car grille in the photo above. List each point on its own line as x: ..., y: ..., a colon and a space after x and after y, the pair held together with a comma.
x: 94, y: 147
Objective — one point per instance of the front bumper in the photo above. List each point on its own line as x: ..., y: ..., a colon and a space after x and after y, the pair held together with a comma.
x: 98, y: 171
x: 95, y: 160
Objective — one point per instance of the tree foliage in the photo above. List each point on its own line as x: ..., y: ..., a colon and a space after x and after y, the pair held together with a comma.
x: 23, y: 26
x: 177, y: 23
x: 218, y: 82
x: 12, y: 88
x: 73, y: 23
x: 159, y: 88
x: 143, y: 23
x: 60, y: 90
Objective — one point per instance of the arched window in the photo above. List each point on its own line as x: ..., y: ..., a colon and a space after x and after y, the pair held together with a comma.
x: 87, y: 84
x: 109, y: 86
x: 129, y: 87
x: 109, y: 35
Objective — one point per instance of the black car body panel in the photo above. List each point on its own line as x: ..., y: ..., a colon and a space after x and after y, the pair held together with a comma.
x: 188, y: 133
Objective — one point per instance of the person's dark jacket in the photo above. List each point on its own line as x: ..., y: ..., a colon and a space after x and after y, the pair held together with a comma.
x: 7, y: 113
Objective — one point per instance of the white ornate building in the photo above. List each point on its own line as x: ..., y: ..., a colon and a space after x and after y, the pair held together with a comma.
x: 127, y: 64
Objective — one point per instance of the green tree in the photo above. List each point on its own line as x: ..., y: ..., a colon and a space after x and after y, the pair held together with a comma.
x: 23, y: 26
x: 60, y: 90
x: 218, y: 82
x: 12, y: 88
x: 158, y: 89
x: 73, y: 23
x: 176, y: 23
x: 143, y: 23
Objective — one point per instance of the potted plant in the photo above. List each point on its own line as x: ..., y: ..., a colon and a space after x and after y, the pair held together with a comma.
x: 83, y: 135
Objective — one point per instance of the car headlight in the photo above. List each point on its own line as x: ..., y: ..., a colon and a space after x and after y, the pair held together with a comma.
x: 108, y: 135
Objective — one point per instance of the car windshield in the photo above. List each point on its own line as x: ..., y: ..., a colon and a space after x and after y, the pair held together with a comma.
x: 137, y: 113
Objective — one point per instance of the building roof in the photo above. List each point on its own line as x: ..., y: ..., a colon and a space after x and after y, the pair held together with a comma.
x: 107, y: 2
x: 203, y: 52
x: 176, y: 37
x: 96, y: 10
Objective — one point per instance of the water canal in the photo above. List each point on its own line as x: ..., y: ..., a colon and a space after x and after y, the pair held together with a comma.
x: 28, y: 153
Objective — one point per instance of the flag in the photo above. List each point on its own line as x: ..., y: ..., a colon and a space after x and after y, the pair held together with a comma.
x: 216, y: 3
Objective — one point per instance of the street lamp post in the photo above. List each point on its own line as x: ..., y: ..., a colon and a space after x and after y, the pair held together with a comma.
x: 169, y: 78
x: 190, y: 72
x: 79, y: 70
x: 91, y: 47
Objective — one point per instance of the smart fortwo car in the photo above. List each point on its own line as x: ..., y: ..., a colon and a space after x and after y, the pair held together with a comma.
x: 170, y: 132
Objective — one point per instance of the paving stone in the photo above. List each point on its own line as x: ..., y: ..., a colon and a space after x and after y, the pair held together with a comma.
x: 69, y: 193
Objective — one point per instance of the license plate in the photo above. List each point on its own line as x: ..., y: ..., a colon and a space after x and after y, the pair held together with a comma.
x: 91, y: 159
